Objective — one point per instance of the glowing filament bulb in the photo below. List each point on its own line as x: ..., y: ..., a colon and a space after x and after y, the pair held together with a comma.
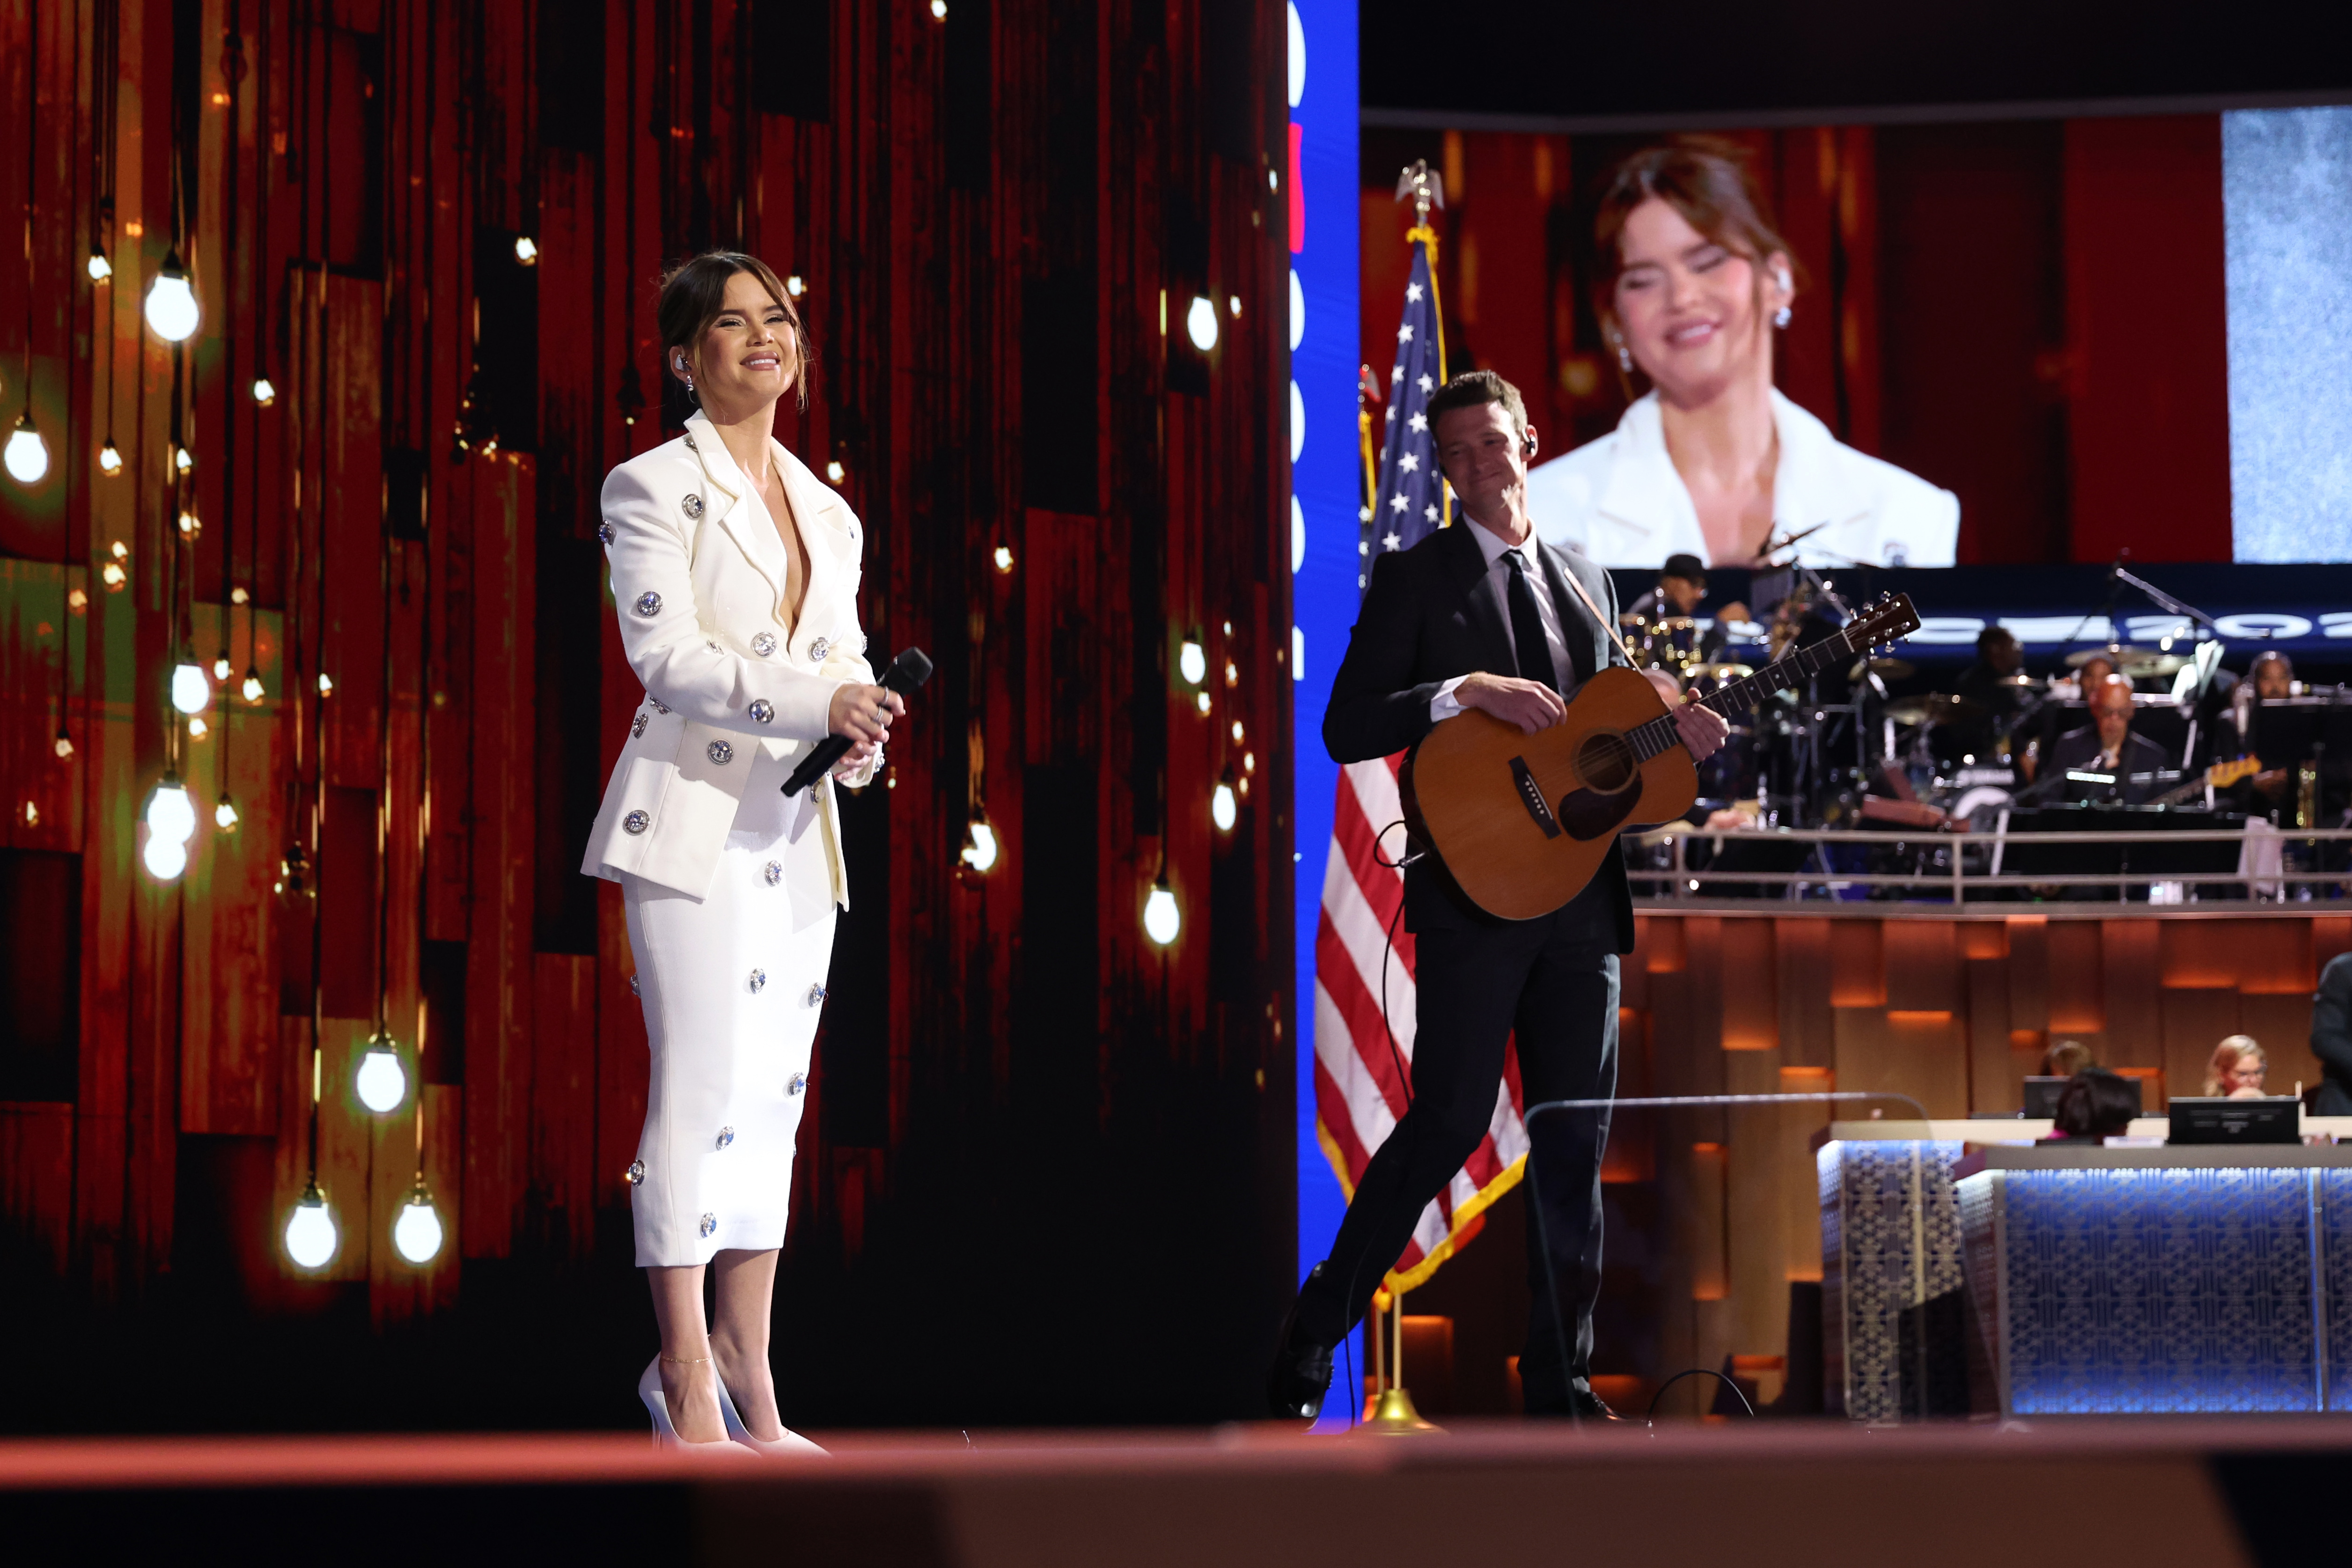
x: 310, y: 1230
x: 1193, y: 662
x: 252, y: 684
x: 171, y: 307
x: 263, y: 391
x: 1162, y: 920
x: 1221, y: 806
x: 191, y: 693
x: 27, y: 456
x: 382, y: 1081
x: 109, y: 458
x: 416, y: 1234
x: 225, y: 815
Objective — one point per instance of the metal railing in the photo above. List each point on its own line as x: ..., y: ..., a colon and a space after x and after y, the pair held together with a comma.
x: 1953, y: 869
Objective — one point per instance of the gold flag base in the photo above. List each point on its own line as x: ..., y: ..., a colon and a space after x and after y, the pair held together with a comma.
x: 1393, y: 1416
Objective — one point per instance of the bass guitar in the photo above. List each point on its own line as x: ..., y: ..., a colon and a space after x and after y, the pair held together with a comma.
x: 1522, y: 822
x: 2221, y: 775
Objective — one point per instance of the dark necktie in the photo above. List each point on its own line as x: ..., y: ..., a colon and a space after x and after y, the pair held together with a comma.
x: 1526, y: 626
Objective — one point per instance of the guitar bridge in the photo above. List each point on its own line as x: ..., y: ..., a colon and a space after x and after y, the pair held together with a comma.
x: 1531, y: 796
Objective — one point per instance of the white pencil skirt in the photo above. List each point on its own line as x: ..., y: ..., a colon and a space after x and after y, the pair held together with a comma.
x: 732, y: 984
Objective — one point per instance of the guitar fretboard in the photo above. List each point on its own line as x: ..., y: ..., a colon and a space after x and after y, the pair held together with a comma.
x: 1780, y: 675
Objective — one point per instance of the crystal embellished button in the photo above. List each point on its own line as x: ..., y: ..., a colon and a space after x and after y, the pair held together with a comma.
x: 726, y: 1136
x: 632, y: 987
x: 800, y: 1082
x: 762, y: 710
x: 819, y: 650
x: 605, y: 531
x: 649, y: 603
x: 710, y: 1224
x: 816, y: 995
x: 635, y: 1174
x: 773, y: 871
x: 758, y: 981
x: 657, y: 706
x: 637, y: 725
x: 637, y: 822
x: 764, y: 644
x: 692, y: 505
x: 721, y: 752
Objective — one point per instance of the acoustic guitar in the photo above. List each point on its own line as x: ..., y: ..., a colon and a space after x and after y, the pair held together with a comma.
x: 1522, y: 820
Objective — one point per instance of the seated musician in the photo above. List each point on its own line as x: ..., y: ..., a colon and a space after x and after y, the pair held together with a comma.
x: 2270, y: 679
x: 2106, y: 746
x: 1989, y: 684
x: 2049, y: 724
x: 1682, y: 587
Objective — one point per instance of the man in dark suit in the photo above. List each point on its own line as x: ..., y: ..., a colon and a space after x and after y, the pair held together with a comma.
x: 2331, y: 1037
x: 1483, y: 615
x: 2106, y: 746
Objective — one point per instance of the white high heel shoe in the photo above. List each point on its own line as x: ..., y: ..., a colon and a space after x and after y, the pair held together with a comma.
x: 791, y: 1442
x: 649, y: 1389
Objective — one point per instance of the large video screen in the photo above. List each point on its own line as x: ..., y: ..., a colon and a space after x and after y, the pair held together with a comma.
x: 2012, y: 343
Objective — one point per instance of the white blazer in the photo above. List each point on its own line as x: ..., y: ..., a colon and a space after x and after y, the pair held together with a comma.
x: 1620, y: 501
x: 697, y: 575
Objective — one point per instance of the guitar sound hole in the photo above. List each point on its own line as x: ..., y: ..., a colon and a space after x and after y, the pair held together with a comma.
x: 1606, y: 761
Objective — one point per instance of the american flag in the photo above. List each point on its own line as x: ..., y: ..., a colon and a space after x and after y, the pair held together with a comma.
x: 1360, y: 1088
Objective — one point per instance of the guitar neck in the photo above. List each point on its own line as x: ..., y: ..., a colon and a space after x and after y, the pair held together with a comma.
x: 1739, y: 696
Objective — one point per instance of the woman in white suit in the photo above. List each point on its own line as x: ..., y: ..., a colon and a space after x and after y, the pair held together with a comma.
x: 1712, y: 461
x: 735, y: 577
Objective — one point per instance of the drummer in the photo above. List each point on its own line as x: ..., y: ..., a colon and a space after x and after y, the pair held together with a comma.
x: 1992, y: 684
x: 1682, y: 585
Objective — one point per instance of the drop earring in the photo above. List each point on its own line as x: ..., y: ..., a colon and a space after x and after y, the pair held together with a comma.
x: 1624, y: 357
x: 1781, y: 317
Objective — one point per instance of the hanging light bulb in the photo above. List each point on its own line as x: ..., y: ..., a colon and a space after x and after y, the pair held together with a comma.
x: 221, y: 666
x: 191, y: 693
x: 326, y: 684
x: 115, y: 578
x: 416, y: 1234
x: 1160, y: 919
x: 1191, y: 661
x: 224, y: 814
x: 27, y: 456
x: 172, y: 302
x: 171, y: 815
x: 311, y: 1229
x: 1004, y: 558
x: 263, y: 393
x: 184, y: 460
x: 382, y: 1082
x: 165, y: 858
x: 979, y: 843
x: 197, y: 728
x: 1201, y: 323
x: 794, y: 286
x: 526, y: 250
x: 100, y: 269
x: 1222, y: 810
x: 65, y: 742
x: 253, y: 693
x: 834, y: 471
x: 1202, y: 702
x: 109, y: 458
x: 190, y: 525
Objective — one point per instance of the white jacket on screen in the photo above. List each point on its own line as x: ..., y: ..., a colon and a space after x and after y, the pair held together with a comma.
x: 698, y: 580
x: 1620, y: 501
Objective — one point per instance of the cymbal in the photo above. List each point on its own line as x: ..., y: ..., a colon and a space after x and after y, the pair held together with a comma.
x: 1935, y: 708
x: 2023, y: 682
x: 2155, y: 666
x: 2116, y: 654
x: 1887, y: 668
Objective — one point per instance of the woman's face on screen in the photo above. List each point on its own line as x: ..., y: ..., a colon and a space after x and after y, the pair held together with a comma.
x: 1690, y: 309
x: 751, y: 353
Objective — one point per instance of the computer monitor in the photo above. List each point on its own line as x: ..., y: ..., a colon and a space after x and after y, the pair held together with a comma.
x: 2041, y: 1097
x: 2272, y: 1120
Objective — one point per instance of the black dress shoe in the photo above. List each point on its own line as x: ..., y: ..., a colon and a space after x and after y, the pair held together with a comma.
x: 1589, y: 1406
x: 1301, y: 1374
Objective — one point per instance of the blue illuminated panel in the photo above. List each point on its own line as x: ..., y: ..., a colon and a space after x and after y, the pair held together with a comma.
x: 1325, y: 479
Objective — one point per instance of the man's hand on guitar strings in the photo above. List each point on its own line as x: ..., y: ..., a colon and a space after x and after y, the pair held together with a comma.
x: 1529, y: 704
x: 1702, y: 730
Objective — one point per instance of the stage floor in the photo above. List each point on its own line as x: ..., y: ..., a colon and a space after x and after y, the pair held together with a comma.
x: 2204, y: 1492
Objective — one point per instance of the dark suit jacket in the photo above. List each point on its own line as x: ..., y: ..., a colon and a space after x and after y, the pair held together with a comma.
x: 2080, y: 748
x: 1432, y: 612
x: 2331, y: 1036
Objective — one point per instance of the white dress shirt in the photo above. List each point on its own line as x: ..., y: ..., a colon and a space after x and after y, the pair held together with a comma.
x: 1491, y: 545
x: 1619, y: 500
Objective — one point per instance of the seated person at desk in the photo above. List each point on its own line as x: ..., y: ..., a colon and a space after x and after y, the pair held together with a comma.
x: 2107, y: 746
x: 2066, y: 1058
x: 2094, y: 1106
x: 2237, y: 1069
x: 2051, y: 721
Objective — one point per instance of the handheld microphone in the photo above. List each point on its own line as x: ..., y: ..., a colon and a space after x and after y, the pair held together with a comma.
x: 908, y: 670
